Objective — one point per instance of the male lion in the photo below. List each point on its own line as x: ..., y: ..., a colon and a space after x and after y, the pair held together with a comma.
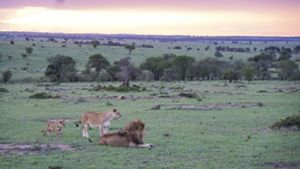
x: 130, y: 136
x: 54, y: 126
x: 98, y: 120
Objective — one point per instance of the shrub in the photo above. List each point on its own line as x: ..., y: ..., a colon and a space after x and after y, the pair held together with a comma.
x: 96, y: 88
x: 43, y: 95
x: 3, y: 90
x: 262, y: 91
x: 24, y: 55
x: 29, y: 50
x: 291, y: 121
x: 260, y: 104
x: 122, y: 88
x: 6, y: 76
x: 188, y: 94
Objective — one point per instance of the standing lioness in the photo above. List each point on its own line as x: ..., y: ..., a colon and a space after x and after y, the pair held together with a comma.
x: 98, y: 120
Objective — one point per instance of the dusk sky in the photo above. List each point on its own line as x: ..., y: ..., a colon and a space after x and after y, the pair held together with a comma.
x: 158, y: 17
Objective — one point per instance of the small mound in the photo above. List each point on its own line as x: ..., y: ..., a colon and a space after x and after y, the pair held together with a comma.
x: 122, y: 88
x: 290, y: 123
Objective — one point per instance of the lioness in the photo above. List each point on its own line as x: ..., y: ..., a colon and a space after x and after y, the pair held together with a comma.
x: 131, y: 135
x: 98, y: 120
x: 54, y: 126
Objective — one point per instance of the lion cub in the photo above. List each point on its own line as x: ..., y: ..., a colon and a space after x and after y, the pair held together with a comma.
x: 98, y: 120
x: 54, y: 126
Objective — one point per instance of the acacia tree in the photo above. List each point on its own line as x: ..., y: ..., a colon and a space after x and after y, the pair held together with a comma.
x: 60, y: 68
x: 218, y: 54
x: 98, y: 62
x: 95, y: 43
x: 263, y: 62
x: 130, y: 48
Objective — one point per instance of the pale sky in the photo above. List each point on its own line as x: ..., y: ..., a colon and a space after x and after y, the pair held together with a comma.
x: 168, y: 17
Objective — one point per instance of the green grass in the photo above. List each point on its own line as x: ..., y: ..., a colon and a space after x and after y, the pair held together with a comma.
x: 228, y: 138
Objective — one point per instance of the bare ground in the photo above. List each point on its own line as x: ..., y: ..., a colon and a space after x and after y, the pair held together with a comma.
x: 32, y: 148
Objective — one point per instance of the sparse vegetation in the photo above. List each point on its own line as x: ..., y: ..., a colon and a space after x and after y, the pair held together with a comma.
x: 43, y: 95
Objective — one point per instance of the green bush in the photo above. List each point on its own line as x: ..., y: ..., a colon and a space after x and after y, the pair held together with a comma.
x: 3, y: 90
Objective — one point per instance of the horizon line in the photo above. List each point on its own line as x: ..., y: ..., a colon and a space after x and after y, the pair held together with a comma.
x: 136, y: 34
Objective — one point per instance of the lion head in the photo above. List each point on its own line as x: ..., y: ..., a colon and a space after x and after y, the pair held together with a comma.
x: 134, y: 131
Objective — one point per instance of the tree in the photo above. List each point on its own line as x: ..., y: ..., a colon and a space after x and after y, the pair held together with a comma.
x: 6, y: 76
x: 98, y: 62
x: 231, y: 75
x: 146, y: 75
x: 130, y: 48
x: 127, y: 70
x: 285, y: 54
x: 29, y: 50
x: 297, y: 49
x: 95, y: 43
x: 181, y: 65
x: 218, y: 54
x: 60, y: 68
x: 248, y: 72
x: 157, y: 64
x: 263, y: 62
x: 287, y: 68
x: 211, y: 68
x: 169, y: 75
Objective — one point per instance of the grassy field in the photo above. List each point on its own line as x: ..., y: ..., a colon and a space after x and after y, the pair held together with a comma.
x: 35, y: 64
x: 234, y: 131
x: 230, y: 137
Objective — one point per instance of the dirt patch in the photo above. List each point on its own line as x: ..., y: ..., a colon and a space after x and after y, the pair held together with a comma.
x: 217, y: 106
x: 282, y: 165
x: 32, y: 149
x: 286, y: 90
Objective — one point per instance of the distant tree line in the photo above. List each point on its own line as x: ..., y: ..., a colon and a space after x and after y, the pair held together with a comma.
x: 267, y: 65
x: 232, y: 49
